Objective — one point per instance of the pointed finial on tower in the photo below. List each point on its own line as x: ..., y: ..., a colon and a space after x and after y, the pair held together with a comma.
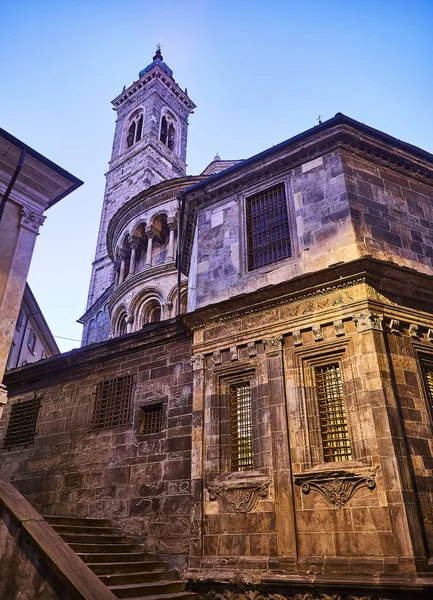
x: 158, y: 54
x: 217, y: 157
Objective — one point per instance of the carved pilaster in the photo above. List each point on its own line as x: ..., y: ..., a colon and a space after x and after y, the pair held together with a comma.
x: 367, y: 321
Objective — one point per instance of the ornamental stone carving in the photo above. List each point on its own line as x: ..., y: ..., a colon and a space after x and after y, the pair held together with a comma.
x: 252, y: 350
x: 297, y: 337
x: 31, y: 220
x: 367, y: 321
x: 317, y: 333
x: 239, y: 495
x: 339, y: 327
x: 197, y: 362
x: 217, y: 357
x: 337, y: 487
x: 394, y: 326
x: 414, y: 331
x: 274, y: 344
x: 234, y: 353
x: 246, y: 593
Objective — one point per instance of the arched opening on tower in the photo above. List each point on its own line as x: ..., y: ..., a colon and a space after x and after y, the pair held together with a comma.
x: 152, y: 312
x: 161, y: 235
x: 168, y: 132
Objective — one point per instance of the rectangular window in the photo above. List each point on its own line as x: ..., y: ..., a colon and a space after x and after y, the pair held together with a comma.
x: 22, y: 422
x: 112, y: 403
x: 268, y: 232
x: 241, y: 427
x: 31, y: 343
x: 332, y: 413
x: 151, y: 420
x: 427, y: 369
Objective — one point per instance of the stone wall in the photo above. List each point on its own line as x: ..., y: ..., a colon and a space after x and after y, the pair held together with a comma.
x: 140, y: 481
x: 392, y: 213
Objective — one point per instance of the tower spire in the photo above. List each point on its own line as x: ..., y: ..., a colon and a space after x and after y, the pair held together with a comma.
x: 158, y: 55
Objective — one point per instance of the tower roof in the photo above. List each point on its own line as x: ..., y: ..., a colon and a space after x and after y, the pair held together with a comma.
x: 157, y: 60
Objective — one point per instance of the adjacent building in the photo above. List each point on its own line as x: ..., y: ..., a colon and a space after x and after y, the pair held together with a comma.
x: 254, y: 397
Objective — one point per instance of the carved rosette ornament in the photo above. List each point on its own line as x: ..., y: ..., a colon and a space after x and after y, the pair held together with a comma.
x: 337, y: 487
x: 31, y: 220
x: 239, y: 496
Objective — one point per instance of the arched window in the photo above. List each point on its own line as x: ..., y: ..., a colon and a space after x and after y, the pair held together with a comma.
x: 135, y: 129
x: 168, y: 131
x: 152, y: 313
x: 121, y: 324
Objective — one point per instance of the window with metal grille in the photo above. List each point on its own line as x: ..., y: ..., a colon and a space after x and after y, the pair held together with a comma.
x: 112, y: 400
x: 427, y: 369
x: 151, y: 420
x: 268, y: 232
x: 22, y: 422
x: 332, y: 413
x: 241, y: 427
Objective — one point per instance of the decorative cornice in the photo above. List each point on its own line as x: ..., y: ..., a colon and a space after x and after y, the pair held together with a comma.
x: 239, y: 496
x: 138, y: 279
x: 337, y: 487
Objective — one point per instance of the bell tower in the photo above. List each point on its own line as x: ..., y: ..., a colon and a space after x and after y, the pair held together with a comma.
x: 149, y: 146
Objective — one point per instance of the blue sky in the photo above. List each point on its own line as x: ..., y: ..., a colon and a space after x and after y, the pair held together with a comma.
x: 258, y: 71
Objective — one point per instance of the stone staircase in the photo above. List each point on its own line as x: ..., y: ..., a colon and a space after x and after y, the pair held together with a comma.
x: 119, y: 562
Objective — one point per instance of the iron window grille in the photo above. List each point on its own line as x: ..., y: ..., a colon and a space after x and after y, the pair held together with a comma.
x: 241, y: 428
x: 22, y: 422
x: 332, y: 413
x: 151, y: 420
x: 268, y: 232
x: 112, y: 403
x: 427, y: 369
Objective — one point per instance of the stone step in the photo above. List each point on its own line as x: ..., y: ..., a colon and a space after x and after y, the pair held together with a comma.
x: 142, y: 566
x: 147, y: 589
x: 92, y: 538
x: 115, y: 557
x: 141, y: 577
x: 84, y: 529
x: 84, y: 521
x: 104, y: 548
x: 175, y: 596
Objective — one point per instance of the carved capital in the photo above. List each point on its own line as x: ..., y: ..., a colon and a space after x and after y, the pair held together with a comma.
x: 339, y: 327
x: 394, y: 326
x: 234, y: 353
x: 274, y: 344
x: 337, y: 487
x: 172, y: 223
x: 31, y: 220
x: 252, y: 350
x: 197, y: 362
x: 297, y: 337
x: 122, y: 254
x: 129, y: 319
x: 317, y: 333
x: 366, y: 321
x: 133, y: 242
x: 414, y: 331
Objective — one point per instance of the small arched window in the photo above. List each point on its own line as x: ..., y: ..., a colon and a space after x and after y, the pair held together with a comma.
x: 152, y: 313
x: 121, y: 324
x: 135, y: 130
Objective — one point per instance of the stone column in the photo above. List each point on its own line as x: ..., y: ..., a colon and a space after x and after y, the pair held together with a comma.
x: 116, y: 271
x: 149, y: 233
x: 122, y: 255
x: 133, y: 244
x: 171, y: 223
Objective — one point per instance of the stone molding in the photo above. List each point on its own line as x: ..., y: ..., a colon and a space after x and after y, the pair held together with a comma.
x: 337, y: 487
x: 263, y: 594
x: 139, y: 278
x: 239, y: 494
x: 31, y: 220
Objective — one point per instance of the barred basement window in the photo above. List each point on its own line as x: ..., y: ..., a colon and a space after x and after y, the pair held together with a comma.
x: 22, y: 422
x: 241, y: 429
x: 151, y: 420
x: 332, y: 413
x: 112, y: 400
x: 427, y: 369
x: 268, y: 232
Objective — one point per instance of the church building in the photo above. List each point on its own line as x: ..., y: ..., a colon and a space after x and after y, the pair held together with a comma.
x: 253, y: 399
